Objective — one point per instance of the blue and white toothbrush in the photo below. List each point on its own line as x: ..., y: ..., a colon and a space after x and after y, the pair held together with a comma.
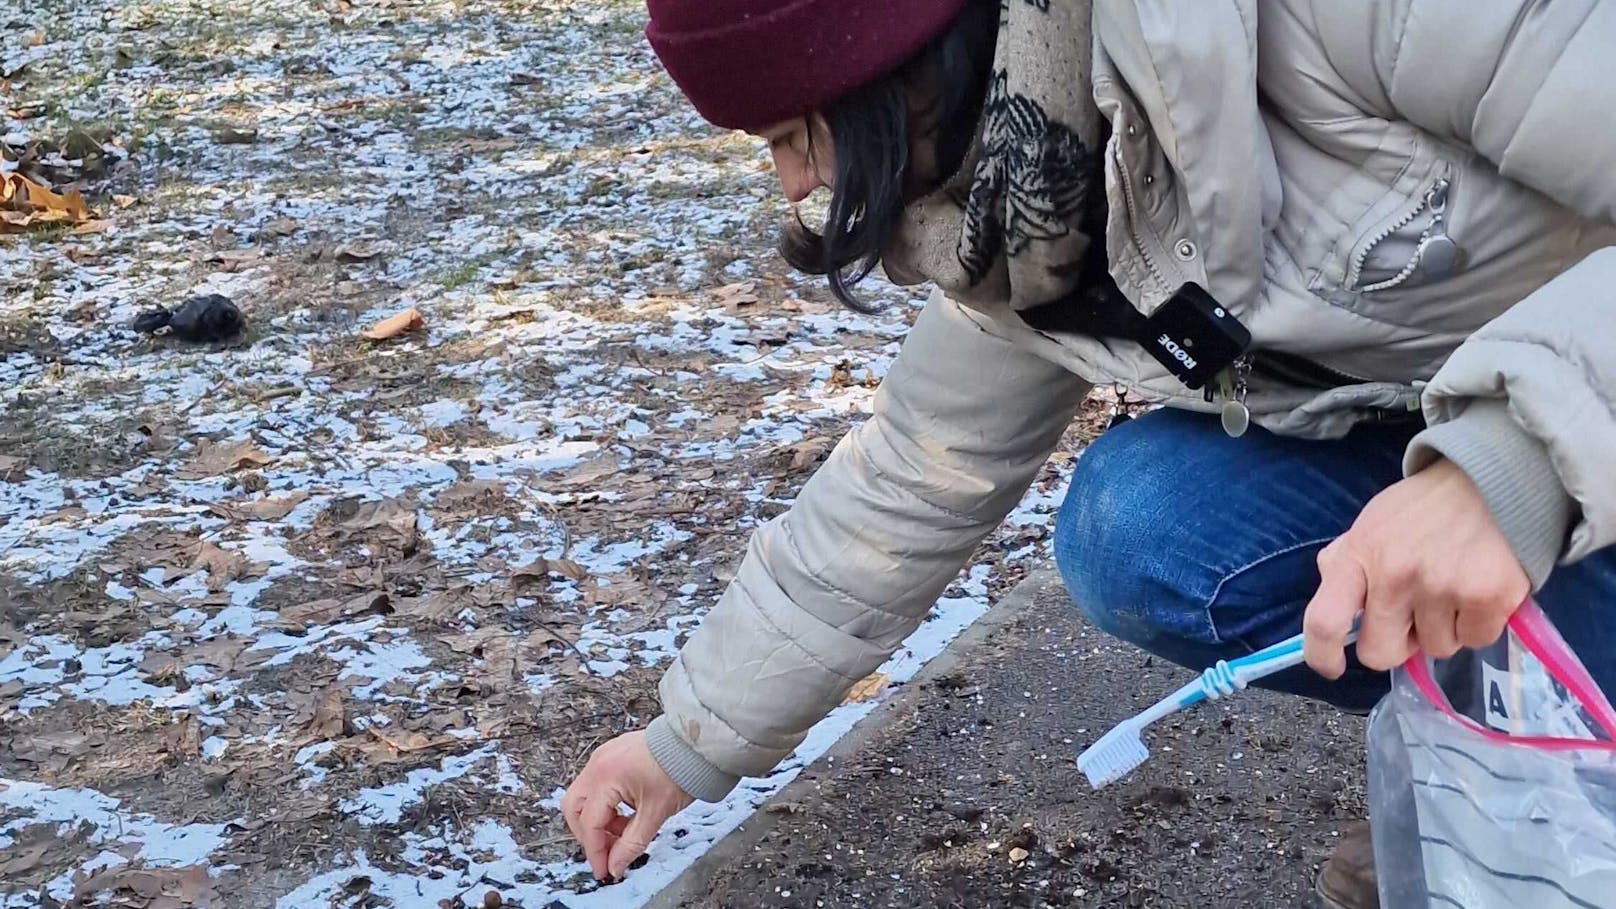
x: 1122, y: 749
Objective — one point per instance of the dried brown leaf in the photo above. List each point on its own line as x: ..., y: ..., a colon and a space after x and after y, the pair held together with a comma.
x: 231, y: 135
x: 625, y: 590
x: 540, y: 570
x: 215, y: 458
x: 18, y: 862
x: 223, y: 565
x: 809, y: 452
x: 736, y: 295
x: 390, y: 744
x: 867, y: 688
x: 279, y: 227
x: 269, y: 509
x: 319, y: 612
x: 153, y: 888
x: 357, y: 251
x: 543, y: 639
x: 183, y: 739
x: 467, y: 491
x: 437, y: 607
x: 330, y: 716
x: 220, y: 653
x: 365, y: 577
x: 592, y: 470
x: 388, y: 522
x: 403, y: 740
x: 394, y: 325
x: 234, y: 259
x: 20, y: 194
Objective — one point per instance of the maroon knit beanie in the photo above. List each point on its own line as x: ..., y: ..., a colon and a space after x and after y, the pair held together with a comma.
x: 748, y: 64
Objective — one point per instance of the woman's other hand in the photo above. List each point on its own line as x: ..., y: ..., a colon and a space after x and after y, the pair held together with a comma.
x: 620, y: 771
x: 1426, y: 565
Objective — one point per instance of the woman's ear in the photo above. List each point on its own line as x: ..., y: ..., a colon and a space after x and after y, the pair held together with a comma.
x: 821, y: 149
x: 799, y: 156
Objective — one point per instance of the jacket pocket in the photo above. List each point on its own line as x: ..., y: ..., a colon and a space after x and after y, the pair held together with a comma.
x: 1411, y: 247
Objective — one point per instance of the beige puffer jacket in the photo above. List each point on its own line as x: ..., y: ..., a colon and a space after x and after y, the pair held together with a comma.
x: 1290, y: 156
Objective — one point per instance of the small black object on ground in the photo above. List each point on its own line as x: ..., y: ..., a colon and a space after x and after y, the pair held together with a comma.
x: 207, y: 317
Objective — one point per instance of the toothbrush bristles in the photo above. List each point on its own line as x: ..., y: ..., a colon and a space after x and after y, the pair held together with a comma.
x: 1113, y: 757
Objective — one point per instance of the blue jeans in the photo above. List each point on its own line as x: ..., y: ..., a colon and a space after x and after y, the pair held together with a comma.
x: 1198, y: 547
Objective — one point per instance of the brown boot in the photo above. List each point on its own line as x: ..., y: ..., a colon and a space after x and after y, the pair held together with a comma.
x: 1347, y: 880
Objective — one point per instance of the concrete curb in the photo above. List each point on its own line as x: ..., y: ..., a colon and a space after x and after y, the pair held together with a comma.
x: 693, y: 882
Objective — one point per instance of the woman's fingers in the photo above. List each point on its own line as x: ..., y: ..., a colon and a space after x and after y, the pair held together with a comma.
x: 1436, y: 626
x: 1328, y: 619
x: 1428, y: 566
x: 637, y: 835
x: 620, y: 771
x: 1386, y: 633
x: 572, y: 803
x: 594, y: 830
x: 597, y: 831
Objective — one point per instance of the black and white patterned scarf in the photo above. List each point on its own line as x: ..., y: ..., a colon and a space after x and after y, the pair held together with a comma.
x: 1023, y: 223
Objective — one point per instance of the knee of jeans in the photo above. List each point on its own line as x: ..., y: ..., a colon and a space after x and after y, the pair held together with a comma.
x: 1115, y: 547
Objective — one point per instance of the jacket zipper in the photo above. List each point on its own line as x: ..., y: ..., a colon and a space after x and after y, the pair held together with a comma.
x: 1133, y: 223
x: 1232, y: 383
x: 1295, y: 370
x: 1300, y: 371
x: 1434, y: 201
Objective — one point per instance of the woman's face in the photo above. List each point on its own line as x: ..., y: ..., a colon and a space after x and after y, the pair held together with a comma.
x: 803, y: 155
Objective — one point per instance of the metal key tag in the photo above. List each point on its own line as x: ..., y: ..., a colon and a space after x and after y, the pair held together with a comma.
x: 1236, y: 418
x: 1438, y: 255
x: 1119, y: 407
x: 1235, y: 415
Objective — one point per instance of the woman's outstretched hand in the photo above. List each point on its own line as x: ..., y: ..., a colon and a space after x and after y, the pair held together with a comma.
x: 620, y: 771
x: 1426, y: 565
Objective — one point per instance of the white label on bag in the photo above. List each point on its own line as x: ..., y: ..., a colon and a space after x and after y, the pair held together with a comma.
x: 1501, y: 700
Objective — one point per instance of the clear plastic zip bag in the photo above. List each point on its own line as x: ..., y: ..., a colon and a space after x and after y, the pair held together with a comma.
x: 1492, y: 779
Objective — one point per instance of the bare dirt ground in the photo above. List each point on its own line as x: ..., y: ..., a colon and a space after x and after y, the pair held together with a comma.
x: 968, y: 797
x: 306, y: 620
